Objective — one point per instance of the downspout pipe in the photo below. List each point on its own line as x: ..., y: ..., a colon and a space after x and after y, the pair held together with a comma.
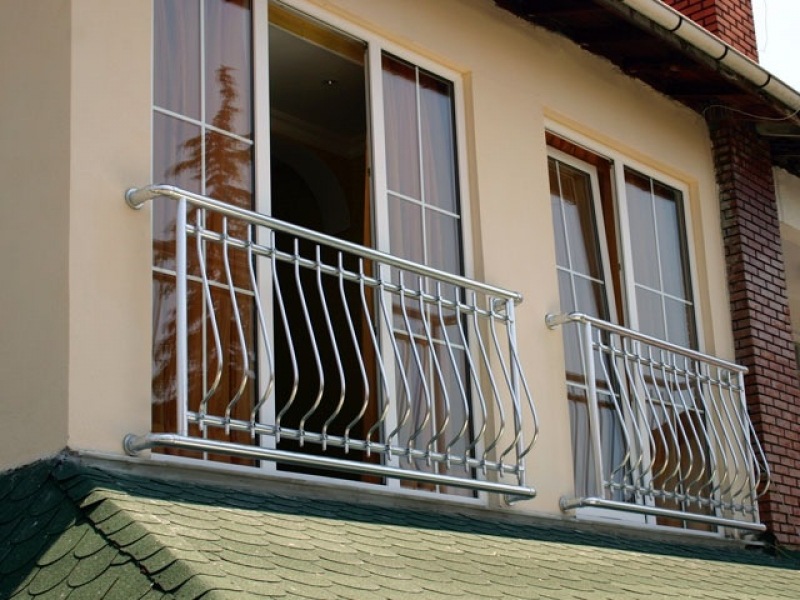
x: 706, y: 42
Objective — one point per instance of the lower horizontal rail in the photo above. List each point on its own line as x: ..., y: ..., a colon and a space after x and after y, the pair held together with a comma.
x: 655, y: 511
x: 336, y: 441
x: 133, y: 444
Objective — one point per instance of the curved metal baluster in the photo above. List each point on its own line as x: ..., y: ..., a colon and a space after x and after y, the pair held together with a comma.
x: 456, y: 372
x: 649, y: 414
x: 357, y: 348
x: 487, y: 366
x: 262, y: 327
x: 520, y: 373
x: 720, y: 477
x: 736, y: 446
x: 289, y: 341
x: 694, y: 414
x: 445, y: 421
x: 644, y: 440
x: 239, y: 329
x: 335, y: 346
x: 726, y: 445
x: 710, y: 436
x: 473, y: 378
x: 493, y: 317
x: 668, y: 413
x: 418, y: 363
x: 619, y: 400
x: 310, y: 328
x: 388, y: 323
x: 676, y: 427
x: 697, y: 424
x: 761, y: 472
x: 381, y: 365
x: 203, y: 409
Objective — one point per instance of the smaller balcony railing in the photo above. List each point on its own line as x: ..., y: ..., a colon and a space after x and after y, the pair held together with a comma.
x: 669, y: 433
x: 340, y: 357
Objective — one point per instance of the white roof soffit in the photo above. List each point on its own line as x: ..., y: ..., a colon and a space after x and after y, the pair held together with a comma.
x: 687, y: 30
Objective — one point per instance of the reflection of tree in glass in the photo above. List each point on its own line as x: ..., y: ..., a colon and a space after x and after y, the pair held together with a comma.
x: 227, y: 162
x: 225, y: 157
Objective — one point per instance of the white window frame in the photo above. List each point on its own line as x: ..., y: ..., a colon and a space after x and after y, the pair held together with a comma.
x: 619, y: 162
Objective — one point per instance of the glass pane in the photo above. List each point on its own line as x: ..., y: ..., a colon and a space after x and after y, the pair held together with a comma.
x: 173, y: 163
x: 164, y: 367
x: 672, y: 242
x: 438, y: 142
x: 585, y: 481
x: 643, y: 230
x: 402, y: 140
x: 229, y: 170
x: 228, y: 76
x: 177, y: 51
x: 613, y: 444
x: 680, y: 323
x: 406, y: 241
x: 214, y: 255
x: 591, y: 297
x: 651, y: 313
x: 578, y: 207
x: 562, y: 259
x: 572, y: 347
x: 565, y: 292
x: 443, y: 245
x: 405, y: 229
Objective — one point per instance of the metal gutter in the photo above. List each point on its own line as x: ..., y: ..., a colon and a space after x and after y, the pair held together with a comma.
x: 706, y: 42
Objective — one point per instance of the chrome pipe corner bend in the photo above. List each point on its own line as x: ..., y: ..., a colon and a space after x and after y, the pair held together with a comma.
x: 135, y: 198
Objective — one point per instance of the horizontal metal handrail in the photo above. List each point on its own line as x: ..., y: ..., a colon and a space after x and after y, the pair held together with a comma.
x: 337, y: 356
x: 137, y: 197
x: 669, y: 433
x: 554, y: 320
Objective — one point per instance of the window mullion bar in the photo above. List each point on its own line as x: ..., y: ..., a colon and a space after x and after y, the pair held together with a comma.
x: 657, y: 237
x: 421, y: 161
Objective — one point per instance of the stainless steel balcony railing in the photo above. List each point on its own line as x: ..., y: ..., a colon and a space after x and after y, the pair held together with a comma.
x: 343, y: 358
x: 669, y: 431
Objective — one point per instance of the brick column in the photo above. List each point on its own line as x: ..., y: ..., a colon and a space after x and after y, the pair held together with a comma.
x: 729, y: 20
x: 760, y: 313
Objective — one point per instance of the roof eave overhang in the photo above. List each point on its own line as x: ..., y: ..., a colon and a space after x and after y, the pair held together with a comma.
x: 656, y: 44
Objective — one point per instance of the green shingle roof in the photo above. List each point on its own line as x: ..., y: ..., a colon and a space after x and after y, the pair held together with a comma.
x: 70, y: 529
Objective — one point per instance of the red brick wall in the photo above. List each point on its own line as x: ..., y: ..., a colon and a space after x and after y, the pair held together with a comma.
x: 759, y: 306
x: 730, y: 20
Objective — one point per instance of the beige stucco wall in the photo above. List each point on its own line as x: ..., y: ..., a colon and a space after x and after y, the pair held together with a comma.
x: 517, y: 78
x: 34, y: 233
x: 74, y: 133
x: 109, y: 250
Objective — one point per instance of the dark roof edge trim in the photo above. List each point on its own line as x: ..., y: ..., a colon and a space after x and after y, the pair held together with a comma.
x: 686, y: 30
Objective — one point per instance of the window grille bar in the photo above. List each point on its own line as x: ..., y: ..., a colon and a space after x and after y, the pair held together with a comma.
x: 687, y: 449
x: 369, y: 363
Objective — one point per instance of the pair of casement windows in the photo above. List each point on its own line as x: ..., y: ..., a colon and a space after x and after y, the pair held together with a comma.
x: 623, y: 257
